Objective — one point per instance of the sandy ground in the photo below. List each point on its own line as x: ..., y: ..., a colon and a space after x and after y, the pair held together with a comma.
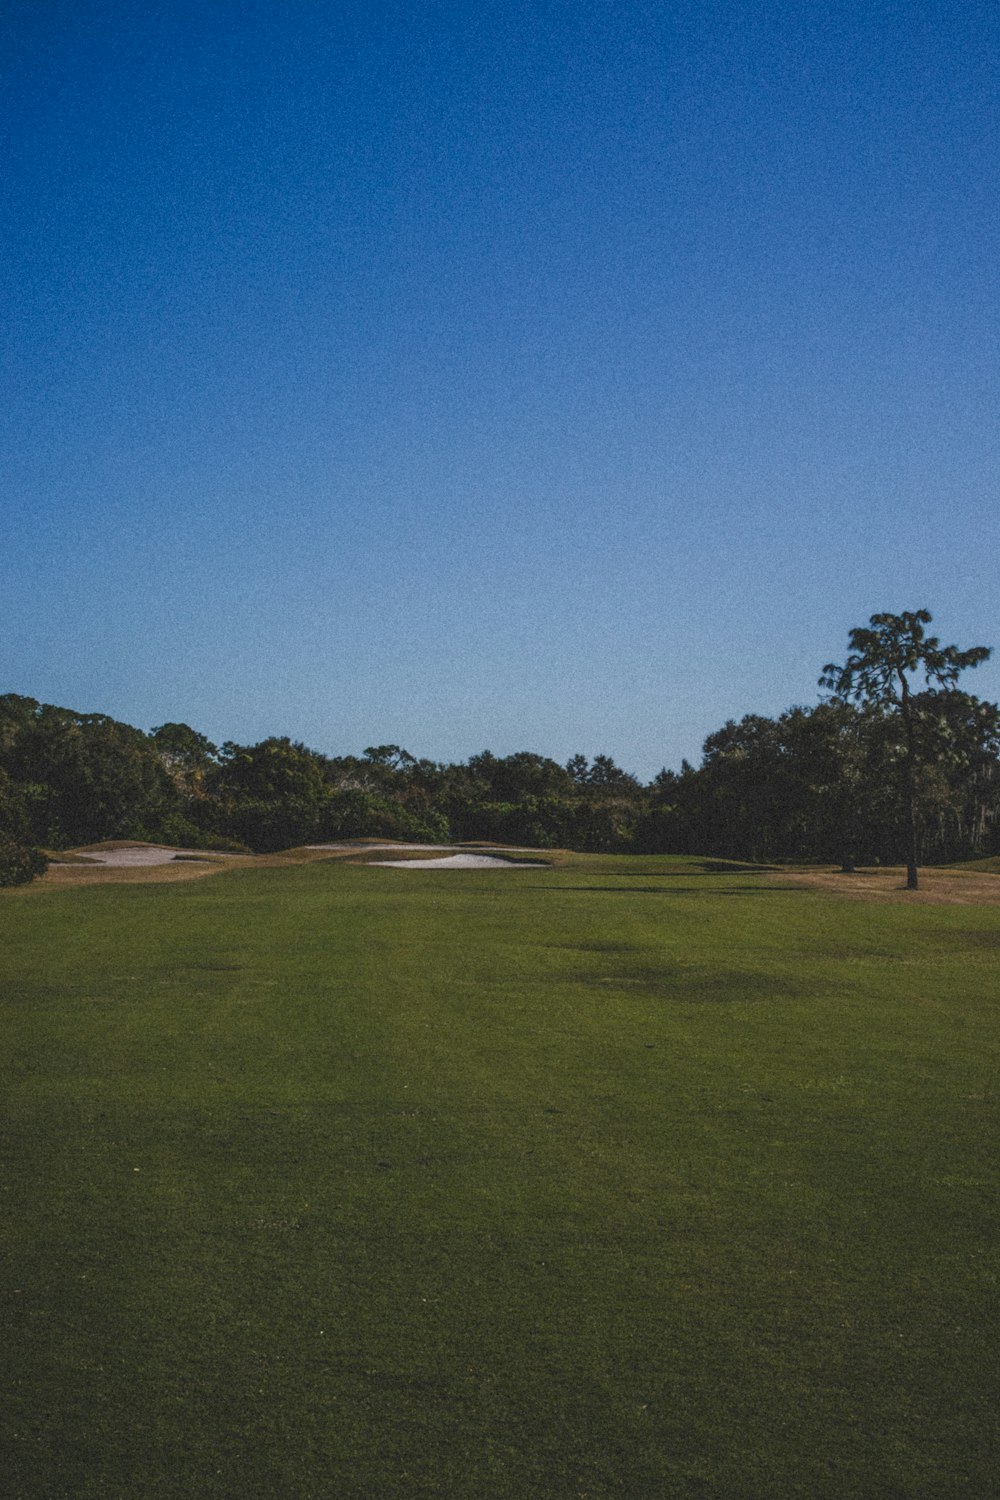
x: 124, y: 856
x: 936, y: 888
x: 122, y: 861
x: 126, y: 861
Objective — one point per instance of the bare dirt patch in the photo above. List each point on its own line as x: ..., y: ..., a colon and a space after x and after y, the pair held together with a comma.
x: 937, y: 887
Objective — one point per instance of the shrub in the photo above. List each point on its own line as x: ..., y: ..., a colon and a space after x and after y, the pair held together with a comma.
x: 356, y: 814
x: 181, y: 832
x: 19, y: 863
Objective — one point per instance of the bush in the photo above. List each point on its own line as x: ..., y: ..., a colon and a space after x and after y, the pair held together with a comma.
x: 268, y: 824
x: 356, y: 814
x: 19, y: 863
x: 181, y: 833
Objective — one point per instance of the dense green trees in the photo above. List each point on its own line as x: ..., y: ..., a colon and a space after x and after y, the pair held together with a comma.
x: 80, y: 777
x: 887, y: 657
x: 857, y: 778
x: 822, y: 784
x: 785, y: 788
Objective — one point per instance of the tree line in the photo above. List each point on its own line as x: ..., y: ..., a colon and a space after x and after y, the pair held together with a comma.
x: 897, y: 765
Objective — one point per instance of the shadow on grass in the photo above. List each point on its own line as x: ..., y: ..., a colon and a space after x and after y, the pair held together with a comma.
x: 729, y: 986
x: 737, y: 867
x: 671, y: 890
x: 709, y: 867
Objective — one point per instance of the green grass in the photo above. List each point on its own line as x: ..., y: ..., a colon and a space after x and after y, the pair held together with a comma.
x: 990, y: 865
x: 614, y: 1179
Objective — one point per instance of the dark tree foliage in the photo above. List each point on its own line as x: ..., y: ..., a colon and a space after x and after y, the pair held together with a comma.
x: 822, y: 785
x: 957, y: 782
x: 838, y: 781
x: 390, y: 757
x: 887, y: 658
x: 19, y: 860
x: 270, y: 795
x: 606, y: 778
x: 577, y: 767
x: 81, y: 777
x: 184, y: 752
x: 18, y: 863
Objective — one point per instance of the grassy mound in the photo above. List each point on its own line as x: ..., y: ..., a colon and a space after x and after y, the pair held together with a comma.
x: 988, y: 866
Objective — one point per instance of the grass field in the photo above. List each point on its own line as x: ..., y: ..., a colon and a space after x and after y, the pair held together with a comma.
x: 615, y: 1179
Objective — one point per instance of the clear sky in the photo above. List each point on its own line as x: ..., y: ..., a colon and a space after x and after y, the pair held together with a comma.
x: 557, y: 376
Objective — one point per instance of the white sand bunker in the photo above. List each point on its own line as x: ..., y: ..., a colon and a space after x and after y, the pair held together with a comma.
x: 123, y: 855
x: 457, y: 862
x: 141, y: 854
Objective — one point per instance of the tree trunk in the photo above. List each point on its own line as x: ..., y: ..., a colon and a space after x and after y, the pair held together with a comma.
x: 911, y: 854
x: 910, y: 790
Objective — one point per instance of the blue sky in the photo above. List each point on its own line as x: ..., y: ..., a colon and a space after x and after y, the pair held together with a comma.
x: 568, y: 377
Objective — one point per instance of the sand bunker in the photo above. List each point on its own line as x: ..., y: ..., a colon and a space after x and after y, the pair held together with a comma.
x: 132, y: 855
x: 456, y: 862
x: 129, y: 860
x: 457, y: 859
